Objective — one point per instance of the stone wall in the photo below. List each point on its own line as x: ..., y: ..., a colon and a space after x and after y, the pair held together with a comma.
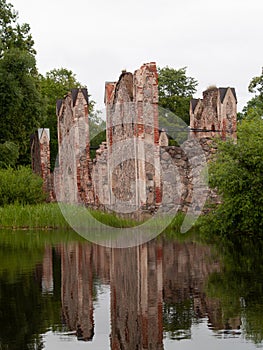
x: 184, y: 171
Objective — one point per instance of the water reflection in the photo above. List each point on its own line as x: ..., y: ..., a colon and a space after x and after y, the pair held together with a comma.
x: 158, y: 290
x: 153, y: 287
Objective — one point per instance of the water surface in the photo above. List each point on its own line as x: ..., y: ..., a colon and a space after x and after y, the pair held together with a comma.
x: 58, y: 291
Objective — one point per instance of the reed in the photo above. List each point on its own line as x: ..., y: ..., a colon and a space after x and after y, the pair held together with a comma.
x: 45, y: 215
x: 49, y: 216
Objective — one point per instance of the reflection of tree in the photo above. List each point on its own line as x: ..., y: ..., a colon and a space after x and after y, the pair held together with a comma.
x: 240, y: 286
x: 177, y: 319
x: 25, y: 312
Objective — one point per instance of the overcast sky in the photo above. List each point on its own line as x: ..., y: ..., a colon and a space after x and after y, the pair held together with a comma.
x: 220, y: 42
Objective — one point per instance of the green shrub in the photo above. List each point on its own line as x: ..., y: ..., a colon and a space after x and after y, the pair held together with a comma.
x: 236, y: 173
x: 20, y: 186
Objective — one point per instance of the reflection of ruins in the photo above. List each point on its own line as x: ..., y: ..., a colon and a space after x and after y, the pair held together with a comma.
x: 157, y: 287
x: 76, y: 289
x: 136, y: 301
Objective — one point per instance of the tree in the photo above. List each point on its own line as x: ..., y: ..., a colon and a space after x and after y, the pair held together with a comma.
x: 21, y: 107
x: 54, y: 85
x: 12, y: 34
x: 256, y: 84
x: 20, y: 186
x: 236, y: 173
x: 175, y: 92
x: 9, y: 154
x: 254, y: 107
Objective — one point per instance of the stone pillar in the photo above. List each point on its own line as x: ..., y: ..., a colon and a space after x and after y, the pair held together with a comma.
x: 40, y: 158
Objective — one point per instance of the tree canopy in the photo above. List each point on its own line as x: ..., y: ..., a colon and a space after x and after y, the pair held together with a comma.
x: 13, y: 34
x: 28, y: 99
x: 9, y: 154
x: 254, y: 107
x: 21, y: 109
x: 176, y: 90
x: 54, y: 85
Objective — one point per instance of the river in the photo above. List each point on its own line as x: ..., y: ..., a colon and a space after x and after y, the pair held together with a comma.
x: 58, y: 291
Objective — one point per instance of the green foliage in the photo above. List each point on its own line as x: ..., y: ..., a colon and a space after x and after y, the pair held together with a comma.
x: 20, y: 186
x: 111, y: 219
x: 21, y: 106
x: 97, y: 126
x: 254, y: 107
x: 177, y: 130
x: 178, y: 318
x: 175, y: 92
x: 97, y: 130
x: 236, y: 173
x: 239, y: 285
x: 12, y: 34
x: 256, y: 85
x: 8, y: 154
x: 54, y: 86
x: 26, y: 312
x: 32, y: 216
x: 96, y: 141
x: 49, y: 215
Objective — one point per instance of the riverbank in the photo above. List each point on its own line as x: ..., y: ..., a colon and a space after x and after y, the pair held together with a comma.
x: 40, y: 216
x: 48, y: 216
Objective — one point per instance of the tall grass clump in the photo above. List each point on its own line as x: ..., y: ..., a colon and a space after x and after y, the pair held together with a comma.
x: 20, y: 186
x: 111, y: 219
x: 44, y: 215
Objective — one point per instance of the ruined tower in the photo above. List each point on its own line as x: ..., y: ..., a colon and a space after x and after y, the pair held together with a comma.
x: 133, y: 139
x: 73, y: 173
x: 215, y: 114
x: 136, y: 283
x: 77, y: 289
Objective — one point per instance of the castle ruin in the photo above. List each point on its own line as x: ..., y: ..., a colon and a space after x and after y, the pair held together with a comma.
x: 126, y: 175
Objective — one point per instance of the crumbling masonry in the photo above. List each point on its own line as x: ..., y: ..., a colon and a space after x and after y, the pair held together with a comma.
x: 40, y: 158
x: 133, y: 171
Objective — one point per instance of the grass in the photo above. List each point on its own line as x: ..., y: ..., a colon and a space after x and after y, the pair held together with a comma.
x: 49, y: 216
